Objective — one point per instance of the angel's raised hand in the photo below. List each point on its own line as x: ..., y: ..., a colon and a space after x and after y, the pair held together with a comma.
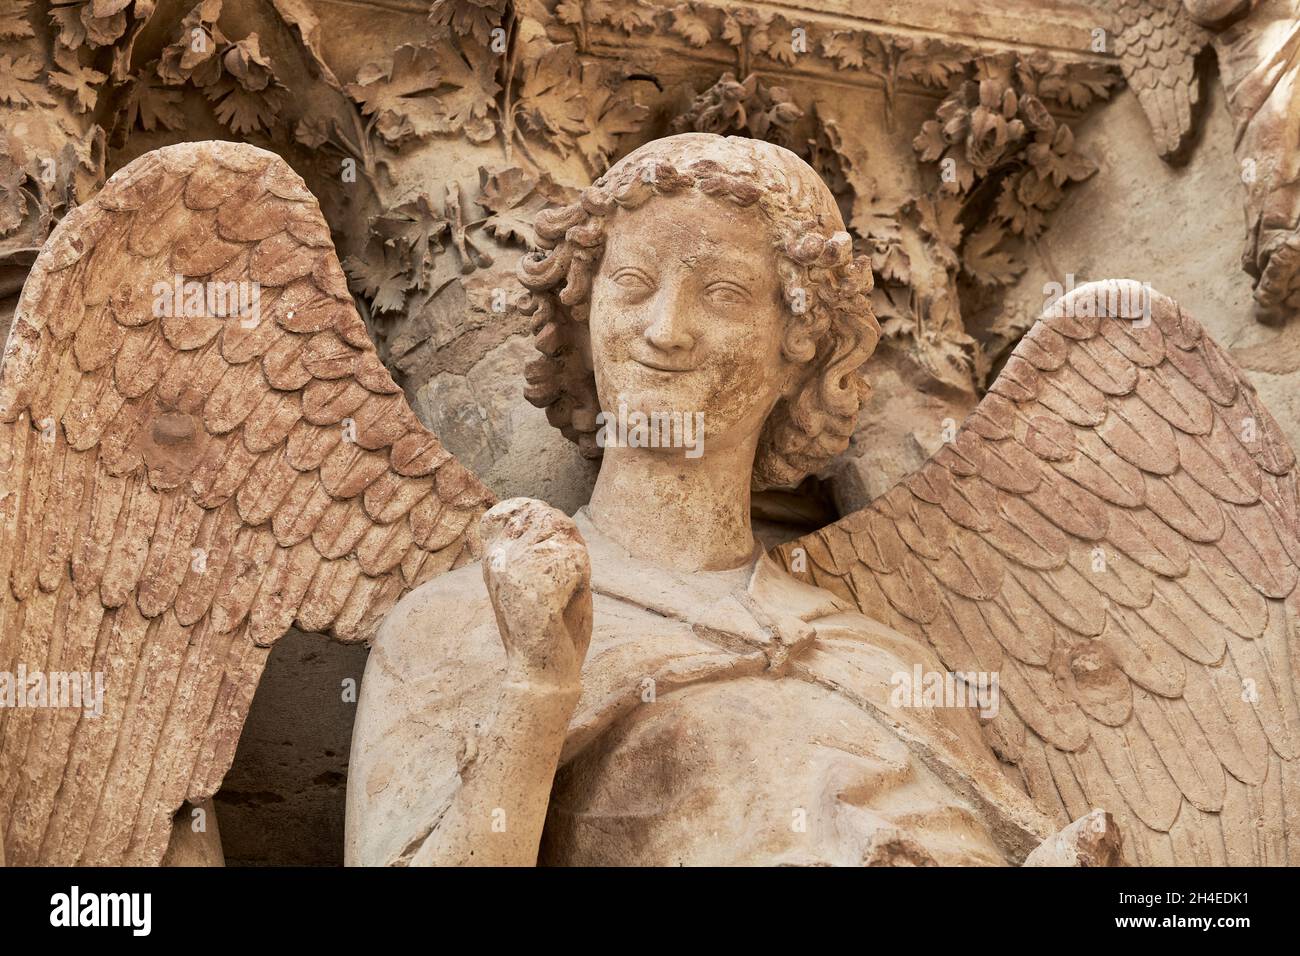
x: 538, y: 575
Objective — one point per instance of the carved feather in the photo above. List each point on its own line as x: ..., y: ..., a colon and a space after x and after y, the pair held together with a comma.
x: 1157, y: 42
x: 178, y: 489
x: 1139, y: 568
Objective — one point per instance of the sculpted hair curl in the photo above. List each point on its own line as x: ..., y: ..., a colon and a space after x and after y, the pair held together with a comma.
x: 830, y: 326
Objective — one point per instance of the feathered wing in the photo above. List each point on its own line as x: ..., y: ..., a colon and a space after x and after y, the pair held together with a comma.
x: 175, y: 491
x: 1114, y: 532
x: 1157, y: 42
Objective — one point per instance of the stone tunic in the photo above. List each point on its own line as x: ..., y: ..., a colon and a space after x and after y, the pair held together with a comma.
x: 736, y: 717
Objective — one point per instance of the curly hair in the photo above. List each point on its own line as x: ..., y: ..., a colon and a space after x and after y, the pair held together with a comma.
x: 826, y: 287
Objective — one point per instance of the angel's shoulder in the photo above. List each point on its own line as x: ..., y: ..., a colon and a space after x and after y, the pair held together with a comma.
x: 459, y: 589
x: 448, y: 618
x: 851, y: 638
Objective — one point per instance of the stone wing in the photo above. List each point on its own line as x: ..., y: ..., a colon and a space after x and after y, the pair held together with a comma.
x: 1157, y: 43
x: 181, y: 481
x: 1115, y: 532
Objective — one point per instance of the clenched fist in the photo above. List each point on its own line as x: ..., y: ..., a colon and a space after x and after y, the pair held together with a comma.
x: 538, y: 576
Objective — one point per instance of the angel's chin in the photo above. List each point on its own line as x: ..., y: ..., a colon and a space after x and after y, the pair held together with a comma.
x: 649, y: 390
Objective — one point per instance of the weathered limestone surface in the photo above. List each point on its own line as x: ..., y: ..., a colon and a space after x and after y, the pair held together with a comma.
x: 282, y: 802
x: 974, y: 155
x: 604, y: 687
x: 1174, y: 227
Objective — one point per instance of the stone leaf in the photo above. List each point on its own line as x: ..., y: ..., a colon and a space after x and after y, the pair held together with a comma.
x: 474, y: 18
x: 81, y: 82
x: 610, y: 114
x: 298, y: 14
x: 13, y: 21
x: 151, y: 106
x: 551, y: 100
x: 983, y: 261
x: 402, y: 94
x: 18, y: 82
x: 515, y: 197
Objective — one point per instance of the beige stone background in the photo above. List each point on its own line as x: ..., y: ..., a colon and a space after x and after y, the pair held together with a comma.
x: 1180, y: 229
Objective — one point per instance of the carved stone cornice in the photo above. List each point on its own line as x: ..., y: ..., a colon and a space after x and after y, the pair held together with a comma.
x: 1059, y: 26
x: 891, y: 46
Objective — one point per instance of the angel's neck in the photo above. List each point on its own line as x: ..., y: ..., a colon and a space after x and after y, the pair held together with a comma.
x: 680, y: 513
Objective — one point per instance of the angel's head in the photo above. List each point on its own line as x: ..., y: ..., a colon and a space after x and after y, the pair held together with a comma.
x: 706, y: 276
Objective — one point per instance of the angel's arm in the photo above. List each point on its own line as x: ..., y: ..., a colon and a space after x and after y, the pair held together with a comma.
x: 538, y: 576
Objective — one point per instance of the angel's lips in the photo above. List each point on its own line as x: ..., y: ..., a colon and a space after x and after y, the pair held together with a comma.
x: 661, y: 366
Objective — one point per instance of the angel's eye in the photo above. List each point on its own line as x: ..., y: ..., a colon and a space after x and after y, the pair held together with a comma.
x: 726, y: 293
x: 633, y: 280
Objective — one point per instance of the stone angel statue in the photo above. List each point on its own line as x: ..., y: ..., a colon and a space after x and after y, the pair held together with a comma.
x: 1105, y: 553
x: 1112, y: 540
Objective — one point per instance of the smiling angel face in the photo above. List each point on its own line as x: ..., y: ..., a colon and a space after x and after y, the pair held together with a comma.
x: 687, y: 316
x: 708, y: 276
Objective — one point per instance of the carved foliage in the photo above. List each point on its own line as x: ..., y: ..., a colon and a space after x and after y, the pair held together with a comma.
x: 1003, y: 161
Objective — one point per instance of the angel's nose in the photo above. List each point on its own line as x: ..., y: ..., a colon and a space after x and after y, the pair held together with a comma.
x: 669, y: 330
